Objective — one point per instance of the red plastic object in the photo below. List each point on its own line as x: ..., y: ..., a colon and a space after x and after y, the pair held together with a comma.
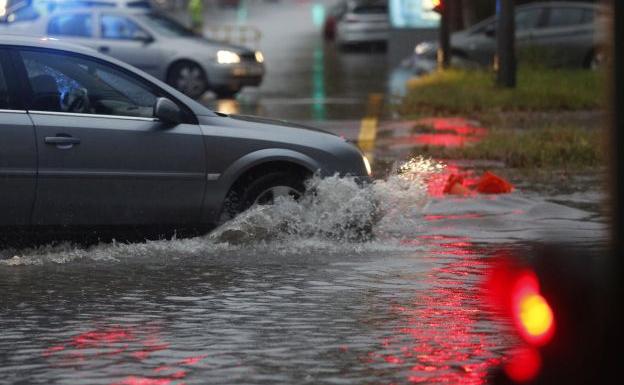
x: 491, y: 183
x: 455, y: 186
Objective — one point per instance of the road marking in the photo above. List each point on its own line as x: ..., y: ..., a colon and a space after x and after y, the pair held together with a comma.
x: 369, y: 124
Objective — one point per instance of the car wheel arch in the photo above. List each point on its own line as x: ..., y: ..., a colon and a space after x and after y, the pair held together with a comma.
x: 260, y: 162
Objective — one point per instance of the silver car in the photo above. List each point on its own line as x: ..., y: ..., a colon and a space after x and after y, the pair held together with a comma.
x: 89, y: 142
x: 362, y: 21
x: 154, y: 43
x: 556, y: 33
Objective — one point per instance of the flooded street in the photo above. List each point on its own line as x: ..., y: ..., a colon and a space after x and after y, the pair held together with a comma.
x: 293, y: 299
x: 290, y: 306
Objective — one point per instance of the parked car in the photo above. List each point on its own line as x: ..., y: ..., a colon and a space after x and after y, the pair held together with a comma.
x: 363, y: 21
x: 335, y: 13
x: 154, y: 43
x: 555, y: 33
x: 91, y: 142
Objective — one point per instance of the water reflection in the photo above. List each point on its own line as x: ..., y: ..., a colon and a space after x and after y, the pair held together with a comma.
x: 440, y: 336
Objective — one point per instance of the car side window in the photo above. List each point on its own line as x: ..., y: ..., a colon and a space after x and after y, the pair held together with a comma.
x: 119, y: 28
x: 4, y: 91
x: 565, y: 17
x: 76, y: 84
x: 76, y: 25
x: 527, y: 20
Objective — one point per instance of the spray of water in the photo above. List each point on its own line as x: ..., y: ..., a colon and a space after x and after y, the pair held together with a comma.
x: 337, y: 214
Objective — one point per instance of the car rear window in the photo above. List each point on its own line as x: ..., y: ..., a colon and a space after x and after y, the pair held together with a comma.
x: 371, y: 8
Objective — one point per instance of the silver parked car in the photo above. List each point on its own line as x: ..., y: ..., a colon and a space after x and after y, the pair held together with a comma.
x: 362, y: 21
x: 91, y: 142
x: 154, y: 43
x: 560, y: 33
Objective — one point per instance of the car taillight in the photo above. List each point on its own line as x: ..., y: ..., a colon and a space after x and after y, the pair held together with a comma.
x: 531, y: 313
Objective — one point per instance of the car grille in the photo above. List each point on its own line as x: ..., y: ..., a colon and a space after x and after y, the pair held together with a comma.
x: 248, y: 56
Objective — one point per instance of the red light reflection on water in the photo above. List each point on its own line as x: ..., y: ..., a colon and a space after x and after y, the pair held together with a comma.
x: 133, y: 343
x: 441, y: 337
x: 444, y: 132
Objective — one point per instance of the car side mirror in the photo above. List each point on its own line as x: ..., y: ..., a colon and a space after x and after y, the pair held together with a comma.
x: 167, y: 111
x: 142, y: 36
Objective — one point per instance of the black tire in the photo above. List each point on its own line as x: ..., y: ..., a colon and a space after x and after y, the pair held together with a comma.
x: 188, y: 78
x: 248, y: 194
x: 226, y: 93
x: 595, y: 59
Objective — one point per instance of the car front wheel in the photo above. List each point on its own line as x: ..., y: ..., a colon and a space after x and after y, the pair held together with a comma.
x: 268, y: 188
x: 263, y: 190
x: 188, y: 78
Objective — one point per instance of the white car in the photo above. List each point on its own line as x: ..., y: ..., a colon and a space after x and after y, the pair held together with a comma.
x: 365, y: 21
x: 154, y: 43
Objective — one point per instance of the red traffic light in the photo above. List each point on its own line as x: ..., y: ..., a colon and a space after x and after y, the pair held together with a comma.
x: 437, y: 5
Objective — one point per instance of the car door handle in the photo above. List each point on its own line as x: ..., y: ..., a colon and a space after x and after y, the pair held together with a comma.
x: 62, y: 141
x: 104, y: 49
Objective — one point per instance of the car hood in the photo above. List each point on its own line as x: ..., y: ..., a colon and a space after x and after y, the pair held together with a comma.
x: 199, y: 44
x: 276, y: 122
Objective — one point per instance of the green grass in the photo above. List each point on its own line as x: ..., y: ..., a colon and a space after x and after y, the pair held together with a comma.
x: 471, y: 92
x: 556, y: 147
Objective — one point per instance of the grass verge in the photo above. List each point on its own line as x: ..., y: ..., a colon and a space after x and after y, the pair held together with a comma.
x: 471, y: 92
x: 554, y: 147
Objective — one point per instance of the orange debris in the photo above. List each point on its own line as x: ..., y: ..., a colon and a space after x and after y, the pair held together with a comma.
x: 491, y: 183
x: 455, y: 186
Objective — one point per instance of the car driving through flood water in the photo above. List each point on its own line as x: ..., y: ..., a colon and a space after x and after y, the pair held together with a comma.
x: 92, y: 142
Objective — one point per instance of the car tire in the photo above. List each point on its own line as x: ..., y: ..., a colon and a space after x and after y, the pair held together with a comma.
x: 261, y: 190
x: 188, y: 78
x: 596, y: 60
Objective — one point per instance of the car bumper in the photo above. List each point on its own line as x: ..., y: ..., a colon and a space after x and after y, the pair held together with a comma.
x: 236, y: 76
x: 349, y: 34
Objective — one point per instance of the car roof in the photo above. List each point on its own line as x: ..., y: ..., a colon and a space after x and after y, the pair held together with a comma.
x: 56, y: 44
x: 101, y: 9
x: 561, y: 4
x: 101, y: 3
x: 45, y: 42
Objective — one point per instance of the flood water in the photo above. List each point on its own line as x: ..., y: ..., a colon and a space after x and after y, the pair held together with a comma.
x: 283, y: 295
x: 289, y: 300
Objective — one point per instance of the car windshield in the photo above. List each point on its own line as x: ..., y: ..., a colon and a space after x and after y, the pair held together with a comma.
x: 166, y: 26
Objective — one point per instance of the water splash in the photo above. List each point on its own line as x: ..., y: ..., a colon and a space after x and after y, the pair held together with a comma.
x: 336, y: 215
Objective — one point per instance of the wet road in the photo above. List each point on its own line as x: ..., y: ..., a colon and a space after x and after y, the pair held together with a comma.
x: 293, y: 301
x: 307, y: 79
x: 299, y: 304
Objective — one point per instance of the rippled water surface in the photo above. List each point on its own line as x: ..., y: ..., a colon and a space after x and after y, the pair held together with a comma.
x: 289, y: 300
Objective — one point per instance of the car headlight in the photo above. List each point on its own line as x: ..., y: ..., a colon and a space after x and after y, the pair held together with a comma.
x: 259, y: 57
x: 423, y: 48
x: 227, y: 57
x: 367, y: 165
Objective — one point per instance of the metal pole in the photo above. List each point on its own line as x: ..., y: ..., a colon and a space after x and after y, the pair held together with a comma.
x: 506, y: 38
x: 616, y: 139
x: 444, y: 51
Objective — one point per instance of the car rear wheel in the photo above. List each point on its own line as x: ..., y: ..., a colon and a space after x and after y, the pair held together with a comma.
x: 188, y: 78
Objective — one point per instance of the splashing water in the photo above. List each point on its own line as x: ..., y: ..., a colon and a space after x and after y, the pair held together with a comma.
x: 336, y: 214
